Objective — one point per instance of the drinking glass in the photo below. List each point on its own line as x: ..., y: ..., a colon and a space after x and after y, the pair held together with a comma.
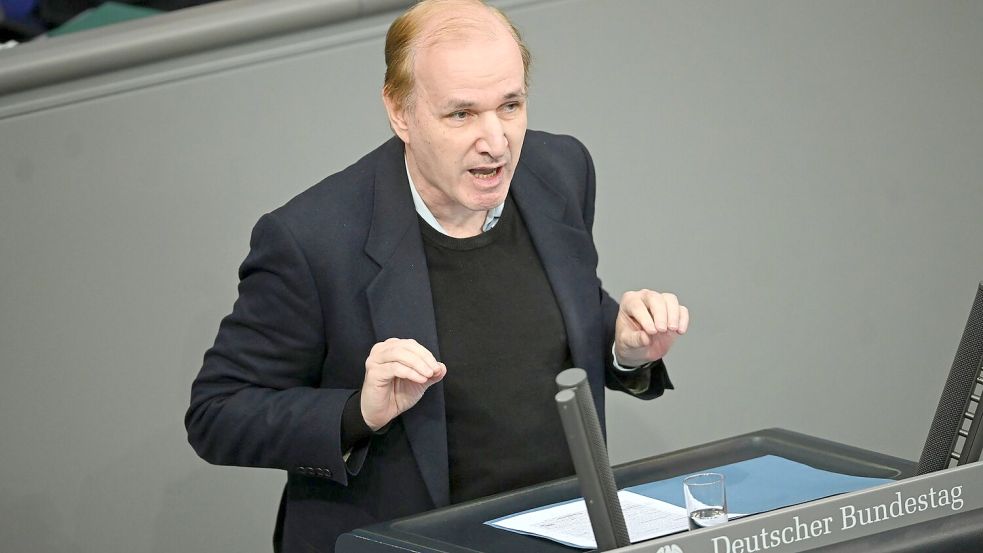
x: 706, y: 500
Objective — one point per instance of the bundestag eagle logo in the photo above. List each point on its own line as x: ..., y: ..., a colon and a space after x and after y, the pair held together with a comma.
x: 670, y: 549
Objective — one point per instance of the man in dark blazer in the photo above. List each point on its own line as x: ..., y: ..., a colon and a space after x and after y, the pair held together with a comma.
x: 386, y: 311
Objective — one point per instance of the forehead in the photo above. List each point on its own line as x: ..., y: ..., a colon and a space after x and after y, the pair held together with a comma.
x: 477, y: 66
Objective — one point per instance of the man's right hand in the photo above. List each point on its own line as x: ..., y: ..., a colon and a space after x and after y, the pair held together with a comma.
x: 397, y: 373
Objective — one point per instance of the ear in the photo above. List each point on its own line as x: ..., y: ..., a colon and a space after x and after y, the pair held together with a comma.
x: 397, y: 118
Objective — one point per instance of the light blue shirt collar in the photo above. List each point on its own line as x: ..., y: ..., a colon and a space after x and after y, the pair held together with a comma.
x: 491, y: 219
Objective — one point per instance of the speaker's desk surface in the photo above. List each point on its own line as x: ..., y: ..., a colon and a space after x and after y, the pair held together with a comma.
x: 460, y: 528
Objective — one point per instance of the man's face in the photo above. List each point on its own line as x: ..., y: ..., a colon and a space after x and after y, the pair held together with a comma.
x: 465, y: 126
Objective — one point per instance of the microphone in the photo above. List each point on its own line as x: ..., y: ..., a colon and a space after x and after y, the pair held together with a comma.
x: 590, y: 458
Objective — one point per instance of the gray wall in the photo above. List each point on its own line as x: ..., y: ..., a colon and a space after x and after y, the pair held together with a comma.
x: 807, y: 176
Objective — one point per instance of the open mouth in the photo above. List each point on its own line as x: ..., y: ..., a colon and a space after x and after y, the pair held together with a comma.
x: 485, y: 172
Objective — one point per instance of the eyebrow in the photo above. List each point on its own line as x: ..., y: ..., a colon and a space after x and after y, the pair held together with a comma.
x: 468, y: 104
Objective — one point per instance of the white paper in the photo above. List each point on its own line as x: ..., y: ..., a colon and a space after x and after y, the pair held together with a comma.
x: 568, y: 523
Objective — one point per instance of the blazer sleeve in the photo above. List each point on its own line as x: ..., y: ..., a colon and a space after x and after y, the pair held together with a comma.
x: 255, y: 401
x: 650, y: 381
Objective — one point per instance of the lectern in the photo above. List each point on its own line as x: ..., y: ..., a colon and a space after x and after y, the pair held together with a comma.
x: 461, y: 528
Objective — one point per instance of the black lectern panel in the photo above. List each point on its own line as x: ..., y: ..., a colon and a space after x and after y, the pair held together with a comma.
x: 460, y: 528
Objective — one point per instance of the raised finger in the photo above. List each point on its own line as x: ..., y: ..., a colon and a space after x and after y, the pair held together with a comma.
x: 422, y: 352
x: 400, y: 370
x: 410, y: 358
x: 683, y: 319
x: 636, y: 309
x: 672, y: 311
x: 656, y: 305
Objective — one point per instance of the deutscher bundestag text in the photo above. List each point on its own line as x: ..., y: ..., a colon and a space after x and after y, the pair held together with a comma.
x: 850, y: 517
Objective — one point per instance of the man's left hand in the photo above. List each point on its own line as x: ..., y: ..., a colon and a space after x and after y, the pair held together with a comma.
x: 648, y: 323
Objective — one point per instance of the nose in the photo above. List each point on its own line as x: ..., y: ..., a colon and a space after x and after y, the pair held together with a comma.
x: 492, y: 140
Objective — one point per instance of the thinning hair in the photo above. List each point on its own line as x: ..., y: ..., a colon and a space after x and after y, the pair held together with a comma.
x: 423, y: 25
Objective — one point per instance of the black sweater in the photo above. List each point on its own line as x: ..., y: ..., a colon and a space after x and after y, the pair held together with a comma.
x: 502, y: 338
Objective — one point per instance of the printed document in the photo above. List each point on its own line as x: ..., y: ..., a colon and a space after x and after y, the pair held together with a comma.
x: 569, y: 524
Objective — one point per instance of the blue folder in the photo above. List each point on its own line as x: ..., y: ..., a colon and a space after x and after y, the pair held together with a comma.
x: 764, y: 484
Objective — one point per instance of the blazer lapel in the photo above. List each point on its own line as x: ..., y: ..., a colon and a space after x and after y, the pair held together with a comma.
x: 401, y: 305
x: 566, y: 252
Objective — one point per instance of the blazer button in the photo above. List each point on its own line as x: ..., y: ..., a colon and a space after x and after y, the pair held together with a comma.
x: 319, y: 471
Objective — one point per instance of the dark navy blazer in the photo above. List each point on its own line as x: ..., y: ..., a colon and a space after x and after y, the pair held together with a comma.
x: 341, y: 267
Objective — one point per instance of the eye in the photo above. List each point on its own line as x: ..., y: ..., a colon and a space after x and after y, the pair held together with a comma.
x: 458, y: 116
x: 510, y: 107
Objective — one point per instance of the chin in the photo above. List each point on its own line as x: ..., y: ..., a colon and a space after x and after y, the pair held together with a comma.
x: 484, y: 202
